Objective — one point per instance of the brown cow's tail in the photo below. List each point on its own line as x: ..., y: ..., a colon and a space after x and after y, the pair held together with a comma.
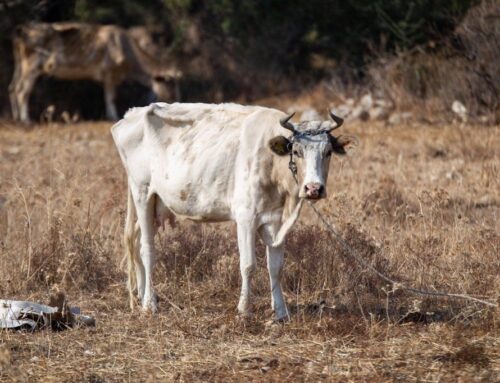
x: 131, y: 242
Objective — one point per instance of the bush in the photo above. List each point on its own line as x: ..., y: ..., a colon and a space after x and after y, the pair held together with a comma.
x: 245, y: 48
x: 463, y: 68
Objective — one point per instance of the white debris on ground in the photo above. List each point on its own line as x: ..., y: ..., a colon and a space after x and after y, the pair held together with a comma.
x: 33, y: 316
x: 23, y: 314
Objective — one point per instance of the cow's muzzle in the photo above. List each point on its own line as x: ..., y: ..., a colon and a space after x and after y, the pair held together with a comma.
x: 314, y: 190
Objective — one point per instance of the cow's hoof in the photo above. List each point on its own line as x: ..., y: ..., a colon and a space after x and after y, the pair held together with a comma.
x: 281, y: 314
x: 149, y: 310
x: 244, y: 317
x: 276, y: 324
x: 150, y: 305
x: 244, y: 310
x: 284, y: 319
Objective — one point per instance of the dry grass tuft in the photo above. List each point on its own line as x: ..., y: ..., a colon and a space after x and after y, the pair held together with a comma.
x: 420, y: 204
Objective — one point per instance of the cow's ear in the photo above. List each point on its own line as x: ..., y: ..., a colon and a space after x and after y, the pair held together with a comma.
x: 280, y: 145
x: 343, y: 144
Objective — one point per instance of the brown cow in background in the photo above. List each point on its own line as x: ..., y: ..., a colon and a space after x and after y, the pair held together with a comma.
x: 75, y: 51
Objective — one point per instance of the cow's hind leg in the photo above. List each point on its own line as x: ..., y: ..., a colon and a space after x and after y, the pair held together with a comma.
x: 246, y: 245
x: 275, y: 260
x: 136, y: 286
x: 132, y: 252
x: 139, y: 267
x: 145, y: 206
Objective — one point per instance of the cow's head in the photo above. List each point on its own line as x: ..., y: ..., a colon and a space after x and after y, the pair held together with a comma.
x: 166, y: 85
x: 310, y: 147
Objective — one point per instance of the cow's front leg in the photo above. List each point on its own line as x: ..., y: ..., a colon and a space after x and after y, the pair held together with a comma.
x: 23, y: 90
x: 109, y: 99
x: 275, y: 260
x: 13, y: 89
x: 246, y: 245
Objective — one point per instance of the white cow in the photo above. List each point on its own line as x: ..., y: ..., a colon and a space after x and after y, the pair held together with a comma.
x: 223, y: 162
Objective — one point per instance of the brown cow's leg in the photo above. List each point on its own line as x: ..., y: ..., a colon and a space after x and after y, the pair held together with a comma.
x: 177, y: 91
x: 13, y: 88
x: 23, y: 93
x: 109, y: 98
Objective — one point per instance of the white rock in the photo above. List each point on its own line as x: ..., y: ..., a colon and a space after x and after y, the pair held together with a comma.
x: 342, y: 110
x: 399, y: 118
x: 460, y: 110
x: 357, y: 112
x: 366, y: 102
x: 349, y: 102
x: 310, y: 114
x: 383, y: 103
x: 378, y: 113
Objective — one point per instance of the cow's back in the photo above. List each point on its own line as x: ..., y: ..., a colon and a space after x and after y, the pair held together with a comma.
x: 186, y: 153
x: 77, y: 50
x: 200, y: 175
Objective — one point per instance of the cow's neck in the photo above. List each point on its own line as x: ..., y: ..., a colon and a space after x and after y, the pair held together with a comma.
x: 142, y: 77
x: 283, y: 179
x: 148, y: 66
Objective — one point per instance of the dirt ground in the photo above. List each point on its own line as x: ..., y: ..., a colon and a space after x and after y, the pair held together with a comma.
x: 419, y: 202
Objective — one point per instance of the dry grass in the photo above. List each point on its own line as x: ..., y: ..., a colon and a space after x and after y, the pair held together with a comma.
x: 420, y: 202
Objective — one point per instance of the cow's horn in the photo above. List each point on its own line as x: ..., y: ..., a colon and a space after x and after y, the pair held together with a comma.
x: 284, y: 122
x: 338, y: 122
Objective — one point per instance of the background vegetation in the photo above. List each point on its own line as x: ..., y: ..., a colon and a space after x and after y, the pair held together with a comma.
x: 247, y: 50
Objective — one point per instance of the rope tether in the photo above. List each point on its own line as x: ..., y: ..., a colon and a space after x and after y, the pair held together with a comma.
x: 395, y: 285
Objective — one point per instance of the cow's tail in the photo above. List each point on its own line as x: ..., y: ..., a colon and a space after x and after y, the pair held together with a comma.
x: 131, y: 242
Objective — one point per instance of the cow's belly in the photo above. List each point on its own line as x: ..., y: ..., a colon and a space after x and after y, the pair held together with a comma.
x: 74, y: 72
x: 200, y: 207
x: 200, y: 193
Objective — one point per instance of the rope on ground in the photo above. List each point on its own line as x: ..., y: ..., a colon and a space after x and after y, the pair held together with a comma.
x: 396, y: 285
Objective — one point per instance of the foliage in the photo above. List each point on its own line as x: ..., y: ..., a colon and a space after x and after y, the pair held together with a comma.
x: 291, y: 28
x: 346, y: 30
x: 248, y: 47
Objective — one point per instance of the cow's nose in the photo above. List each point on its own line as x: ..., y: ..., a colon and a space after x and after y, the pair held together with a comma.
x: 314, y: 190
